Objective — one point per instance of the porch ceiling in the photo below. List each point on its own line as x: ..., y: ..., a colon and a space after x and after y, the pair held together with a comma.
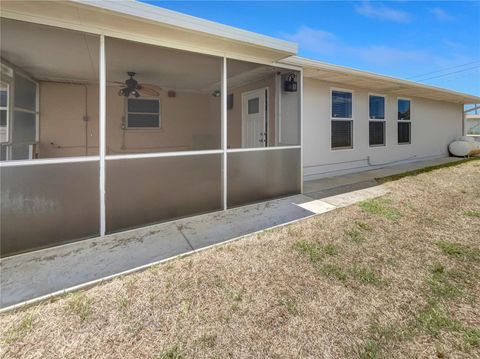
x: 146, y: 23
x: 348, y: 77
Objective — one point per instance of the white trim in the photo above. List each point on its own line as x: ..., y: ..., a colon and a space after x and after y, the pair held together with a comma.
x: 224, y: 135
x: 384, y: 106
x: 384, y: 120
x: 151, y: 13
x: 162, y: 154
x: 453, y: 96
x: 404, y: 121
x: 48, y: 161
x: 278, y: 107
x: 102, y: 133
x: 131, y: 35
x: 345, y: 119
x: 233, y: 150
x: 301, y: 131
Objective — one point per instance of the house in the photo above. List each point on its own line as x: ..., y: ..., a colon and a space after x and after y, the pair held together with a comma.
x: 118, y: 114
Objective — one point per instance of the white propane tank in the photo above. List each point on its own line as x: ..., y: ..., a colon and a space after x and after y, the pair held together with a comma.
x: 461, y: 148
x: 466, y: 139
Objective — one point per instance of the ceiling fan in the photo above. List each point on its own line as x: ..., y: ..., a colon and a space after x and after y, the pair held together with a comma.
x: 131, y: 87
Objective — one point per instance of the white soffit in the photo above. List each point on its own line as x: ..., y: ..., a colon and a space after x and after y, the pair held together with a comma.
x: 137, y: 21
x: 376, y: 83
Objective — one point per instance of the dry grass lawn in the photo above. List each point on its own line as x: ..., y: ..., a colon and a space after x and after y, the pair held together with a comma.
x: 395, y: 277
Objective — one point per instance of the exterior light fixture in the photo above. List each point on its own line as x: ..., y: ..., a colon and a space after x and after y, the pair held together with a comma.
x: 290, y: 85
x: 216, y: 93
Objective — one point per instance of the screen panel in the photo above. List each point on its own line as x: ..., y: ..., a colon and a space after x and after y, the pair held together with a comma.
x: 46, y: 205
x: 341, y: 134
x: 403, y: 132
x: 376, y: 133
x: 260, y: 175
x: 151, y: 190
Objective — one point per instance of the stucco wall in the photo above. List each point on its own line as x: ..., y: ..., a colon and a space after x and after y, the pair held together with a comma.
x: 189, y: 121
x: 434, y: 125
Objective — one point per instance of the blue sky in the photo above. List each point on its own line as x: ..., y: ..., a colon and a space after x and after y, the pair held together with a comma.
x: 434, y: 42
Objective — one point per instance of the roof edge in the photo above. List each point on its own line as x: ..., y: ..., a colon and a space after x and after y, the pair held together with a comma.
x: 306, y: 62
x: 157, y: 14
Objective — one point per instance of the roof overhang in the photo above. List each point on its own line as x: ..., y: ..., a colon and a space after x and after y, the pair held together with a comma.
x: 132, y: 20
x: 376, y: 83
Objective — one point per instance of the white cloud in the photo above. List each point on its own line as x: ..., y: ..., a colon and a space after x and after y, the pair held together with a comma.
x: 441, y: 14
x: 403, y: 61
x: 318, y: 41
x: 325, y: 43
x: 382, y: 12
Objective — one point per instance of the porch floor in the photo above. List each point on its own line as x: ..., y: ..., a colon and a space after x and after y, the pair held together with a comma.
x: 39, y: 274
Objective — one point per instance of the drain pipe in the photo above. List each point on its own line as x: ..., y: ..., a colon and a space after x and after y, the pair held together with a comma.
x: 85, y: 118
x: 370, y: 163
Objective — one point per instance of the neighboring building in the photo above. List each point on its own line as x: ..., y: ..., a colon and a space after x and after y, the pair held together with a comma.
x: 116, y: 115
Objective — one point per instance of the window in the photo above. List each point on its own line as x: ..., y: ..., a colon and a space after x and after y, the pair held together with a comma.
x: 342, y: 124
x: 376, y: 126
x: 143, y: 113
x: 404, y: 124
x: 341, y: 104
x: 4, y: 99
x: 377, y: 107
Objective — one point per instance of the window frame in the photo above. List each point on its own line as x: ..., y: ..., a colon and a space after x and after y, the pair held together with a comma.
x: 8, y: 89
x: 409, y: 121
x: 384, y: 120
x: 344, y: 119
x: 125, y: 124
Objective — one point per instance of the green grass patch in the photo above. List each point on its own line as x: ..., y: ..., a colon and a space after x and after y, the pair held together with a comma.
x: 316, y: 252
x: 432, y: 320
x: 423, y: 170
x: 365, y: 275
x: 447, y: 283
x: 80, y: 305
x: 381, y: 207
x: 333, y: 271
x: 175, y: 352
x: 354, y: 235
x: 475, y: 214
x: 459, y: 251
x: 19, y: 330
x: 363, y: 225
x: 370, y: 350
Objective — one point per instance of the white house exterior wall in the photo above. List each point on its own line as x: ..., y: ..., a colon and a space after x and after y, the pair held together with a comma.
x: 434, y: 125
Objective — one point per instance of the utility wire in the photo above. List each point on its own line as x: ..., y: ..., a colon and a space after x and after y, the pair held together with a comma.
x: 449, y: 73
x: 444, y: 69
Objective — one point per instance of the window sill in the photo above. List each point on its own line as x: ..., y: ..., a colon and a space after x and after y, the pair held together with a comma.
x: 341, y: 148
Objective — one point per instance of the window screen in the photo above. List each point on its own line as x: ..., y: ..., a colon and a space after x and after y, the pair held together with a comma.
x: 341, y: 104
x: 377, y: 133
x: 341, y: 134
x: 404, y: 132
x: 253, y: 106
x: 143, y: 113
x: 404, y: 110
x: 377, y: 107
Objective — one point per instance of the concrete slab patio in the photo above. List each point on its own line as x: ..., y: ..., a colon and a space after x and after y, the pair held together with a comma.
x: 36, y: 275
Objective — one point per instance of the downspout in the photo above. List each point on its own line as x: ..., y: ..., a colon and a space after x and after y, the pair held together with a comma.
x: 85, y: 118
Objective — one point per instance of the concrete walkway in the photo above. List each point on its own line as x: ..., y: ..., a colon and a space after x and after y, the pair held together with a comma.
x: 36, y: 275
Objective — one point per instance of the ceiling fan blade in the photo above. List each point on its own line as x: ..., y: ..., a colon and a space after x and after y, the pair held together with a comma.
x: 115, y: 83
x: 145, y: 91
x: 151, y: 86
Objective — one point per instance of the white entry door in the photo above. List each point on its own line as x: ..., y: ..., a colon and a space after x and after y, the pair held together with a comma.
x: 254, y: 118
